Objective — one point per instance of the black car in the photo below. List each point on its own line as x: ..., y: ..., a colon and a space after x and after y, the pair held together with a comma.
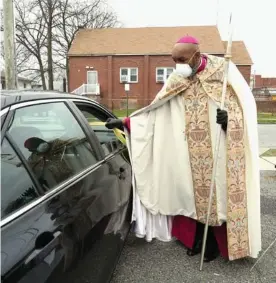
x: 65, y: 189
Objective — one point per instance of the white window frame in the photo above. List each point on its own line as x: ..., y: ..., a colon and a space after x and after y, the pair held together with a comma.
x: 128, y: 75
x: 165, y: 73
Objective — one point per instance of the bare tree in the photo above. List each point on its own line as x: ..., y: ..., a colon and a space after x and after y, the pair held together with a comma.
x: 31, y: 35
x: 50, y: 12
x: 25, y: 62
x: 1, y: 30
x: 1, y: 20
x: 75, y: 15
x: 46, y: 29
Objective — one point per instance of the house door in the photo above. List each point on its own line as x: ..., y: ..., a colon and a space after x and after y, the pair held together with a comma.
x: 92, y: 82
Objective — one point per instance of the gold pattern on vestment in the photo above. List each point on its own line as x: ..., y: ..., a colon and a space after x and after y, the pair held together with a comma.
x: 196, y: 93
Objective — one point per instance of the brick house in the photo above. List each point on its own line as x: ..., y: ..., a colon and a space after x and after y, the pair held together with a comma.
x: 101, y: 61
x: 264, y: 90
x: 263, y: 82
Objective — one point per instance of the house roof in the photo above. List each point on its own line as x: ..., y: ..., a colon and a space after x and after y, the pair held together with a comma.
x: 137, y: 41
x: 240, y: 55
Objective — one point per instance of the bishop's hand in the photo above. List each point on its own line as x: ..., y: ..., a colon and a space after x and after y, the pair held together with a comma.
x: 112, y: 123
x: 222, y: 118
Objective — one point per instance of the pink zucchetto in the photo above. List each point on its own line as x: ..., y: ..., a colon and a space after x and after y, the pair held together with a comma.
x: 188, y: 39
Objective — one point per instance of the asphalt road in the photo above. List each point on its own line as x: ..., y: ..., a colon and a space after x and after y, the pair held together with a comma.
x: 158, y: 262
x: 267, y: 136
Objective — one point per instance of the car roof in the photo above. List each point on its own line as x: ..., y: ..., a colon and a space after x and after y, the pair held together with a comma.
x: 11, y: 97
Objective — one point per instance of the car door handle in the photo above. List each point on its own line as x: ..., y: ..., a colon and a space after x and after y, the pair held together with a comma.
x: 40, y: 253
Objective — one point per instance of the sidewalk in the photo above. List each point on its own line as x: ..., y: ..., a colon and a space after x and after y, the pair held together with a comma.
x: 267, y: 162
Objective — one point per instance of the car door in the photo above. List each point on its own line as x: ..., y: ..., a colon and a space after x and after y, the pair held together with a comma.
x: 114, y: 203
x: 114, y: 151
x: 53, y: 229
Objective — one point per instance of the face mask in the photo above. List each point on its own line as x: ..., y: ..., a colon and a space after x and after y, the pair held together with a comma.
x: 183, y: 70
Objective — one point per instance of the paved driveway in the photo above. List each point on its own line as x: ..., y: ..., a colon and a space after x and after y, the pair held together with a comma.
x: 267, y: 136
x: 159, y: 262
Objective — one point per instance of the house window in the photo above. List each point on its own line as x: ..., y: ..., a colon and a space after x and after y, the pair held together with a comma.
x: 129, y: 75
x: 162, y: 74
x: 25, y: 85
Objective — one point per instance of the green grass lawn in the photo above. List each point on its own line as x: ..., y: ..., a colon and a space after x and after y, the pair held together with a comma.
x: 267, y: 118
x: 123, y: 112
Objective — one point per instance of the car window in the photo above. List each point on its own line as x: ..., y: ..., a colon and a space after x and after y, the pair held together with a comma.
x: 96, y: 119
x: 52, y: 141
x: 17, y: 189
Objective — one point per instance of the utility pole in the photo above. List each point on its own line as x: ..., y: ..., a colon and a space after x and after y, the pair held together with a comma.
x: 9, y: 45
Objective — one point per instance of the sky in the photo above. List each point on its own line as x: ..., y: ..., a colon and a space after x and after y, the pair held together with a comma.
x: 253, y: 22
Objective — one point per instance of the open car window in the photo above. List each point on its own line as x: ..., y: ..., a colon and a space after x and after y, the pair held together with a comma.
x: 96, y: 118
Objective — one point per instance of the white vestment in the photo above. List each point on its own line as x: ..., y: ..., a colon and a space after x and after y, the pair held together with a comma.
x: 160, y: 159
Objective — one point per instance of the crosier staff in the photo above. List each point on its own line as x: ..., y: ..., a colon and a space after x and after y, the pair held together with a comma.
x: 218, y: 136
